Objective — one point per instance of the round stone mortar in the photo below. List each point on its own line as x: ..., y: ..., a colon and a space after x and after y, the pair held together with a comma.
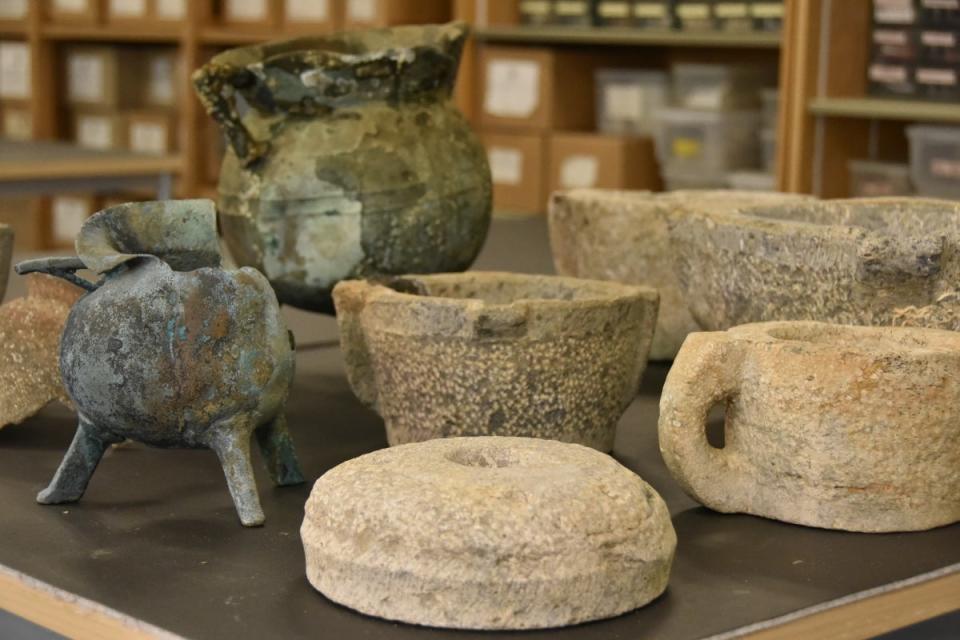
x: 881, y: 261
x: 623, y: 236
x: 485, y: 353
x: 487, y: 533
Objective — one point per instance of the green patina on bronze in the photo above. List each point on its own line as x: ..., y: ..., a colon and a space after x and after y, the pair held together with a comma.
x: 171, y: 350
x: 351, y: 160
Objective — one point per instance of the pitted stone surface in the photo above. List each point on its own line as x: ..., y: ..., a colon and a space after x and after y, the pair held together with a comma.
x: 496, y: 354
x: 834, y: 426
x: 487, y: 533
x: 623, y: 236
x: 882, y: 261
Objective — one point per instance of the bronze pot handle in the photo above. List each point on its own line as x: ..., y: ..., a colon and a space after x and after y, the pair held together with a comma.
x: 61, y: 267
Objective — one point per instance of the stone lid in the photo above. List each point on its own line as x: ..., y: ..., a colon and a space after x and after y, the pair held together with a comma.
x: 487, y: 533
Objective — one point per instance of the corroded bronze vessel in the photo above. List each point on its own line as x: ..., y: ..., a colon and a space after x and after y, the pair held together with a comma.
x: 351, y: 160
x: 171, y: 350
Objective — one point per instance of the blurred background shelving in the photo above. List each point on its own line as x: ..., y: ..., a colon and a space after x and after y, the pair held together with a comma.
x: 638, y: 94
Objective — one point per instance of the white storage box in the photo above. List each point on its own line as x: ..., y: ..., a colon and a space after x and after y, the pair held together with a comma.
x: 879, y: 179
x: 719, y: 86
x: 627, y: 100
x: 752, y: 181
x: 708, y: 144
x: 935, y: 160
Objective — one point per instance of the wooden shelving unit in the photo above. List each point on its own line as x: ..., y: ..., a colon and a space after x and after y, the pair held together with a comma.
x: 885, y: 109
x: 604, y: 36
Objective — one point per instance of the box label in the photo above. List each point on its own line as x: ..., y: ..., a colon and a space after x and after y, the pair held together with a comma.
x: 579, y: 172
x: 943, y: 77
x: 945, y: 168
x: 887, y: 74
x: 893, y: 11
x: 68, y: 216
x: 700, y: 11
x: 14, y: 70
x: 535, y: 7
x: 940, y: 4
x: 939, y: 39
x: 730, y: 10
x: 247, y: 10
x: 148, y: 137
x: 506, y: 165
x: 308, y: 10
x: 362, y: 10
x: 706, y: 97
x: 624, y: 102
x: 13, y: 9
x: 95, y: 132
x: 512, y: 88
x: 70, y: 6
x: 570, y: 7
x: 686, y: 147
x: 171, y: 9
x: 767, y: 10
x: 85, y: 82
x: 17, y: 124
x: 128, y: 8
x: 894, y: 37
x: 650, y: 10
x: 613, y: 10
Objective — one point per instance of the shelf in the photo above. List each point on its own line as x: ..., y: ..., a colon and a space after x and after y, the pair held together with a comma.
x: 113, y: 33
x: 637, y: 37
x: 884, y: 109
x: 13, y: 28
x: 227, y: 36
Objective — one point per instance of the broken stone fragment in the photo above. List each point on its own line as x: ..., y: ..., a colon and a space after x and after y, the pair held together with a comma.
x: 487, y: 533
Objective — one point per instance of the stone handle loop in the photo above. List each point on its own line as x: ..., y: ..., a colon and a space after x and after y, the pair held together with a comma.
x: 705, y: 372
x: 216, y: 84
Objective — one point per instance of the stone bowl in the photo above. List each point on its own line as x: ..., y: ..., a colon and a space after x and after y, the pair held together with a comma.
x: 487, y: 533
x: 485, y: 353
x: 880, y: 261
x: 623, y: 236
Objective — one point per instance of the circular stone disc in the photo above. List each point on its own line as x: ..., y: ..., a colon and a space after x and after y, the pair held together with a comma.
x: 487, y: 533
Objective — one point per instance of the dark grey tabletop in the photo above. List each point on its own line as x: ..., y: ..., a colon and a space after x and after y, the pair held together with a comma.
x: 156, y: 536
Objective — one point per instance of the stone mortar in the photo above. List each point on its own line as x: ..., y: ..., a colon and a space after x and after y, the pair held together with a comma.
x: 496, y: 354
x: 883, y: 261
x: 835, y: 426
x: 487, y: 533
x: 623, y: 236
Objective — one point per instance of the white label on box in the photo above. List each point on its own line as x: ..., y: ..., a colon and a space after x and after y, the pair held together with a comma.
x: 570, y: 8
x: 512, y: 88
x: 148, y: 137
x: 68, y: 216
x: 128, y: 8
x: 85, y: 77
x: 940, y: 4
x: 707, y: 97
x: 945, y: 168
x: 535, y: 7
x: 95, y: 132
x: 13, y: 9
x: 17, y: 124
x: 614, y: 9
x: 171, y: 9
x: 624, y: 102
x: 693, y: 11
x: 308, y: 10
x: 939, y: 38
x: 887, y: 73
x: 361, y: 10
x: 766, y: 10
x: 730, y: 10
x: 70, y: 6
x: 247, y: 10
x: 579, y: 172
x: 506, y: 165
x: 945, y: 77
x: 14, y: 70
x: 161, y: 82
x: 650, y: 10
x: 893, y: 11
x: 896, y: 37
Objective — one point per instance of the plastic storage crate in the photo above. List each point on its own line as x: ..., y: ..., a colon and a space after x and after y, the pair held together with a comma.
x: 935, y: 160
x: 870, y: 179
x: 706, y: 144
x: 627, y: 100
x: 752, y: 181
x: 718, y: 86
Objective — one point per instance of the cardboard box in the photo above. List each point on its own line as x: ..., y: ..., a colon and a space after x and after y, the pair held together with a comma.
x: 127, y: 11
x: 536, y: 88
x: 106, y: 77
x: 23, y: 217
x: 13, y: 9
x: 252, y: 14
x: 385, y: 13
x: 596, y: 161
x: 14, y: 70
x: 518, y: 164
x: 160, y: 77
x: 153, y: 132
x: 76, y: 11
x: 16, y: 121
x: 67, y: 213
x: 103, y: 131
x: 313, y: 16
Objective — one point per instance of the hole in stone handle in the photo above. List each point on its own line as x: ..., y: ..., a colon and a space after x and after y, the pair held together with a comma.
x: 716, y: 427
